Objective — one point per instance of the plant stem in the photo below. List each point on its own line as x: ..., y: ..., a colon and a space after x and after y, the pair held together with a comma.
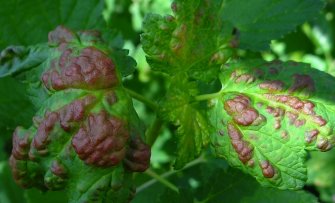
x: 208, y: 96
x: 152, y: 133
x: 170, y: 173
x: 162, y: 180
x: 307, y: 29
x: 142, y: 99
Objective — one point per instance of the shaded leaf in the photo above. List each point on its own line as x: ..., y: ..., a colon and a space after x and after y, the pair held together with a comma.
x: 15, y: 107
x: 33, y: 196
x: 260, y: 21
x: 44, y: 16
x: 9, y: 191
x: 233, y: 186
x: 168, y: 195
x: 321, y: 174
x: 17, y: 59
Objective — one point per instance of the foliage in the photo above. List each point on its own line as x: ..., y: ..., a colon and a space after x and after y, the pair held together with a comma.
x: 235, y: 105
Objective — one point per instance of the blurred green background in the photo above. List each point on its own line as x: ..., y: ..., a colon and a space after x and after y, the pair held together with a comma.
x: 203, y: 180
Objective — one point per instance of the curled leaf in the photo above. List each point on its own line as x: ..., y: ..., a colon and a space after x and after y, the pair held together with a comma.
x: 86, y: 136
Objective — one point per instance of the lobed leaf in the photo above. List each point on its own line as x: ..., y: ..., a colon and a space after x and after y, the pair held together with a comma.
x: 268, y: 115
x: 72, y: 13
x: 85, y: 137
x: 190, y: 40
x: 260, y: 21
x: 187, y: 46
x: 193, y: 127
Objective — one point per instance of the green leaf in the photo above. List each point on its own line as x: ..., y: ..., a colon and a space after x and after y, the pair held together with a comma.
x: 321, y: 174
x: 168, y: 195
x: 188, y: 45
x: 44, y: 16
x: 9, y: 191
x: 13, y: 102
x: 193, y: 127
x: 34, y: 195
x: 260, y: 21
x: 125, y: 63
x: 17, y: 59
x: 15, y: 109
x: 192, y: 40
x: 86, y: 137
x: 212, y: 181
x: 238, y: 187
x: 268, y: 115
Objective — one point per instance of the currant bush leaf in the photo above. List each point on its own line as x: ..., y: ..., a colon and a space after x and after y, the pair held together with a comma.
x: 238, y: 188
x: 44, y: 16
x: 34, y: 195
x: 170, y: 196
x: 191, y: 39
x: 321, y: 174
x: 9, y: 191
x: 15, y: 59
x: 13, y: 102
x: 86, y: 137
x: 193, y: 126
x: 188, y: 45
x: 260, y: 21
x: 268, y: 115
x: 27, y: 64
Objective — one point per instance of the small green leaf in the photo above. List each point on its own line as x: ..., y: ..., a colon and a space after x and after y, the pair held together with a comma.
x: 194, y: 38
x: 125, y: 63
x: 260, y: 21
x: 268, y: 115
x: 193, y: 127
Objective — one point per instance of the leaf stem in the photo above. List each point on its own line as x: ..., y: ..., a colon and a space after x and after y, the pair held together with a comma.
x: 195, y: 162
x: 152, y: 133
x: 208, y: 96
x: 142, y: 99
x: 162, y: 180
x: 308, y: 30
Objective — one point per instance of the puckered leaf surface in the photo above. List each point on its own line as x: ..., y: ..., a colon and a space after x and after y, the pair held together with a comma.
x: 86, y: 137
x: 193, y: 127
x: 187, y: 44
x: 192, y: 38
x: 268, y: 115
